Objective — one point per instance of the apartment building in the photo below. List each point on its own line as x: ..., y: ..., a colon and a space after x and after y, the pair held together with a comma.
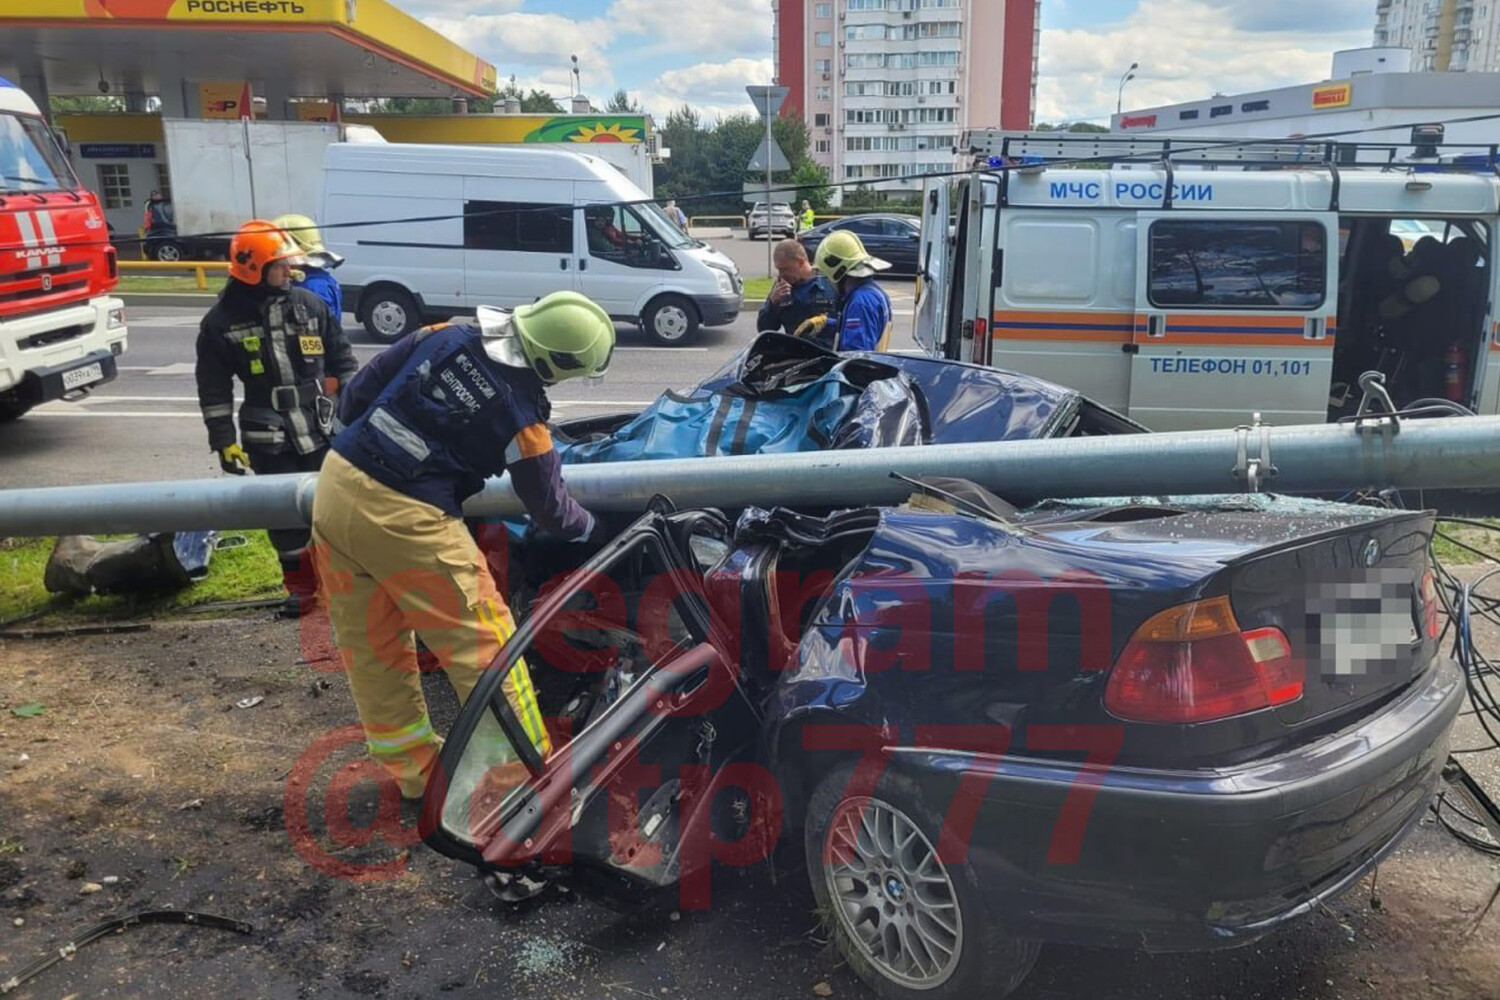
x: 1444, y: 36
x: 888, y: 86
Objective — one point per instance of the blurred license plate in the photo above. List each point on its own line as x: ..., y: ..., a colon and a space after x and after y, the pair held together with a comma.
x: 86, y: 375
x: 1371, y: 636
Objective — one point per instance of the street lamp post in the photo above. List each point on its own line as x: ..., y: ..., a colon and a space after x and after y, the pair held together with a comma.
x: 1120, y: 94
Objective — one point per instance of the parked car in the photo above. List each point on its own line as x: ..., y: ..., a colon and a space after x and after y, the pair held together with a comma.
x: 893, y: 238
x: 781, y: 222
x: 1172, y: 723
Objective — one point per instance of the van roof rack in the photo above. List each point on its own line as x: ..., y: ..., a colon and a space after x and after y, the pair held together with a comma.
x: 999, y: 147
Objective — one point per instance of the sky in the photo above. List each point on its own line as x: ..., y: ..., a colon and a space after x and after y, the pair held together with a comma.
x: 665, y: 53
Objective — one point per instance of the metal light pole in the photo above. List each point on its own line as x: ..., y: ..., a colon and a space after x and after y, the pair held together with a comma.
x: 769, y: 272
x: 1120, y: 93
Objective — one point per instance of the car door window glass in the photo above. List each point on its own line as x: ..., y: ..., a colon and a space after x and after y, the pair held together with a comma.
x: 1237, y: 264
x: 614, y: 625
x: 618, y: 233
x: 518, y: 226
x: 865, y: 227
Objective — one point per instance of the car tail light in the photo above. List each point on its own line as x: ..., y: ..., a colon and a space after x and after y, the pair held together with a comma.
x: 1192, y: 663
x: 1430, y: 605
x: 981, y: 335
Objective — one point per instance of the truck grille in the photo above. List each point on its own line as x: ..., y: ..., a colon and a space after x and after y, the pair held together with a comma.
x: 21, y: 286
x: 57, y: 336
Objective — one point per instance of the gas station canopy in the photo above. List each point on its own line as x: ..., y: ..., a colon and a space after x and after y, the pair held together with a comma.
x: 286, y: 48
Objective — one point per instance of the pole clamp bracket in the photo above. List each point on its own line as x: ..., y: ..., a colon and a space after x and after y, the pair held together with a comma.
x: 1376, y: 411
x: 1254, y: 470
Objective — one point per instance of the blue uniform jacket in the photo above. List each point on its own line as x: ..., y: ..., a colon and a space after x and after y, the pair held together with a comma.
x: 326, y: 287
x: 434, y: 416
x: 864, y: 316
x: 814, y: 297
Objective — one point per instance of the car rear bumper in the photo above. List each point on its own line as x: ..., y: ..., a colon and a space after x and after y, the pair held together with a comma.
x: 1194, y: 860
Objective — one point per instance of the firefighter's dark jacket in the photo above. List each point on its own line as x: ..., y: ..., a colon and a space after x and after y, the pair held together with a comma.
x: 281, y: 344
x: 434, y: 415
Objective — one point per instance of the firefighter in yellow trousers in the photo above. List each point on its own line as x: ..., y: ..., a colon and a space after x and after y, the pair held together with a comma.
x: 425, y: 423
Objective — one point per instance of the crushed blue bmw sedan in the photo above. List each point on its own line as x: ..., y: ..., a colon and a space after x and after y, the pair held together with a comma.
x: 1174, y: 723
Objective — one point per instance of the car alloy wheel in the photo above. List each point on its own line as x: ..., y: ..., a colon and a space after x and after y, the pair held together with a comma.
x: 388, y: 318
x: 891, y: 894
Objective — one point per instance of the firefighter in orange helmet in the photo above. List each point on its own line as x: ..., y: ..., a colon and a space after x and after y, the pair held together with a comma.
x: 291, y: 355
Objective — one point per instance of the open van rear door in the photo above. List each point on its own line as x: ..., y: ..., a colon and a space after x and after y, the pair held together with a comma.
x: 933, y: 257
x: 1235, y: 315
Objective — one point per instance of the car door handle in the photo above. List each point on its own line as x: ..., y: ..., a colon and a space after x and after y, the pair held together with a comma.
x: 1131, y: 348
x: 583, y: 265
x: 563, y: 264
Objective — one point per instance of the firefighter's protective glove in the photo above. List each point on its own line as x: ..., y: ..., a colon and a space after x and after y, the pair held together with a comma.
x: 233, y: 460
x: 812, y: 326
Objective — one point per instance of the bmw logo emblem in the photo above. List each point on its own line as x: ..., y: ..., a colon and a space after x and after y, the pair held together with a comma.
x: 1371, y: 554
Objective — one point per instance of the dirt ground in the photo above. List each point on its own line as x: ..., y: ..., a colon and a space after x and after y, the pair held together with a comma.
x: 143, y: 779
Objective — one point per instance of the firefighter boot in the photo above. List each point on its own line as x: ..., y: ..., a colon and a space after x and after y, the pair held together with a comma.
x: 300, y: 578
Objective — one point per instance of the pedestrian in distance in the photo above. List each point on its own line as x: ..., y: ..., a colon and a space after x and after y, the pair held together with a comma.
x: 427, y: 421
x: 290, y: 354
x: 806, y: 219
x: 678, y: 217
x: 799, y: 292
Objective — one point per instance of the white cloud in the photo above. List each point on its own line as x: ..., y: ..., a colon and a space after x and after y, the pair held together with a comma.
x: 537, y: 49
x: 714, y: 90
x: 714, y: 28
x: 450, y: 8
x: 1188, y: 50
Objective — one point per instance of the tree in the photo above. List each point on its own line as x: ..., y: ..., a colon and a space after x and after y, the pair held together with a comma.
x: 621, y: 104
x: 812, y: 185
x: 85, y: 104
x: 537, y: 102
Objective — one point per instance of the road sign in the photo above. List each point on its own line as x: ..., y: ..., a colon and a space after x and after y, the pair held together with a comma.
x: 768, y: 156
x: 768, y: 99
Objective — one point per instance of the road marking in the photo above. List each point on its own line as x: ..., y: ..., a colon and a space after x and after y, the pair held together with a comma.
x: 73, y: 410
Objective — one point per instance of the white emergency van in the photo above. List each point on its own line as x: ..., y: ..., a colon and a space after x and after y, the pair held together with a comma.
x: 456, y: 227
x: 1192, y: 283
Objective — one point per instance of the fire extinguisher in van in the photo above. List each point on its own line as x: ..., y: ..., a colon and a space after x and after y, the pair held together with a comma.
x: 1455, y: 372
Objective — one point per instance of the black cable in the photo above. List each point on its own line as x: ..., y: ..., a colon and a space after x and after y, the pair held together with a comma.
x: 995, y: 169
x: 99, y: 930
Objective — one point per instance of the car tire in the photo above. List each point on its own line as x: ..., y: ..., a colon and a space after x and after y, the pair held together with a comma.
x: 671, y: 321
x: 985, y: 960
x: 167, y: 252
x: 389, y: 313
x: 11, y: 407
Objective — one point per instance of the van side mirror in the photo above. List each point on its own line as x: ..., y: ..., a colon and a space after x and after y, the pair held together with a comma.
x: 61, y: 135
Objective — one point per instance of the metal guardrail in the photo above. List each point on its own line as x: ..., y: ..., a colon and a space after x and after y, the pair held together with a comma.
x: 198, y: 267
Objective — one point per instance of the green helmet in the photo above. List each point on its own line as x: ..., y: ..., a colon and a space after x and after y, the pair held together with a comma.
x: 565, y: 335
x: 842, y: 254
x: 305, y: 233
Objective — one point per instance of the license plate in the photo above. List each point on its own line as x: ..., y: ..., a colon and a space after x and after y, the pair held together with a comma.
x: 87, y: 375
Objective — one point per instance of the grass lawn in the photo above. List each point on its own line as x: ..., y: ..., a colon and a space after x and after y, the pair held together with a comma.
x: 1455, y: 554
x: 756, y: 289
x: 247, y: 572
x: 168, y: 283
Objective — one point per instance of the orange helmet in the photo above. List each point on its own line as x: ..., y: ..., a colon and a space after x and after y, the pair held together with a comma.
x: 257, y: 245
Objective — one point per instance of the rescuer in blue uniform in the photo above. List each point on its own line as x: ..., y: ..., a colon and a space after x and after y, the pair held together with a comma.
x: 316, y: 273
x: 426, y: 423
x: 864, y: 309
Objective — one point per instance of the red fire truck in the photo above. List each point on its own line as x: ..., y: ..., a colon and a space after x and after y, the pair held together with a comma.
x: 60, y: 328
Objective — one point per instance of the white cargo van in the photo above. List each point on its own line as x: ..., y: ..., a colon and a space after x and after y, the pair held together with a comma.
x: 1194, y: 283
x: 503, y: 227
